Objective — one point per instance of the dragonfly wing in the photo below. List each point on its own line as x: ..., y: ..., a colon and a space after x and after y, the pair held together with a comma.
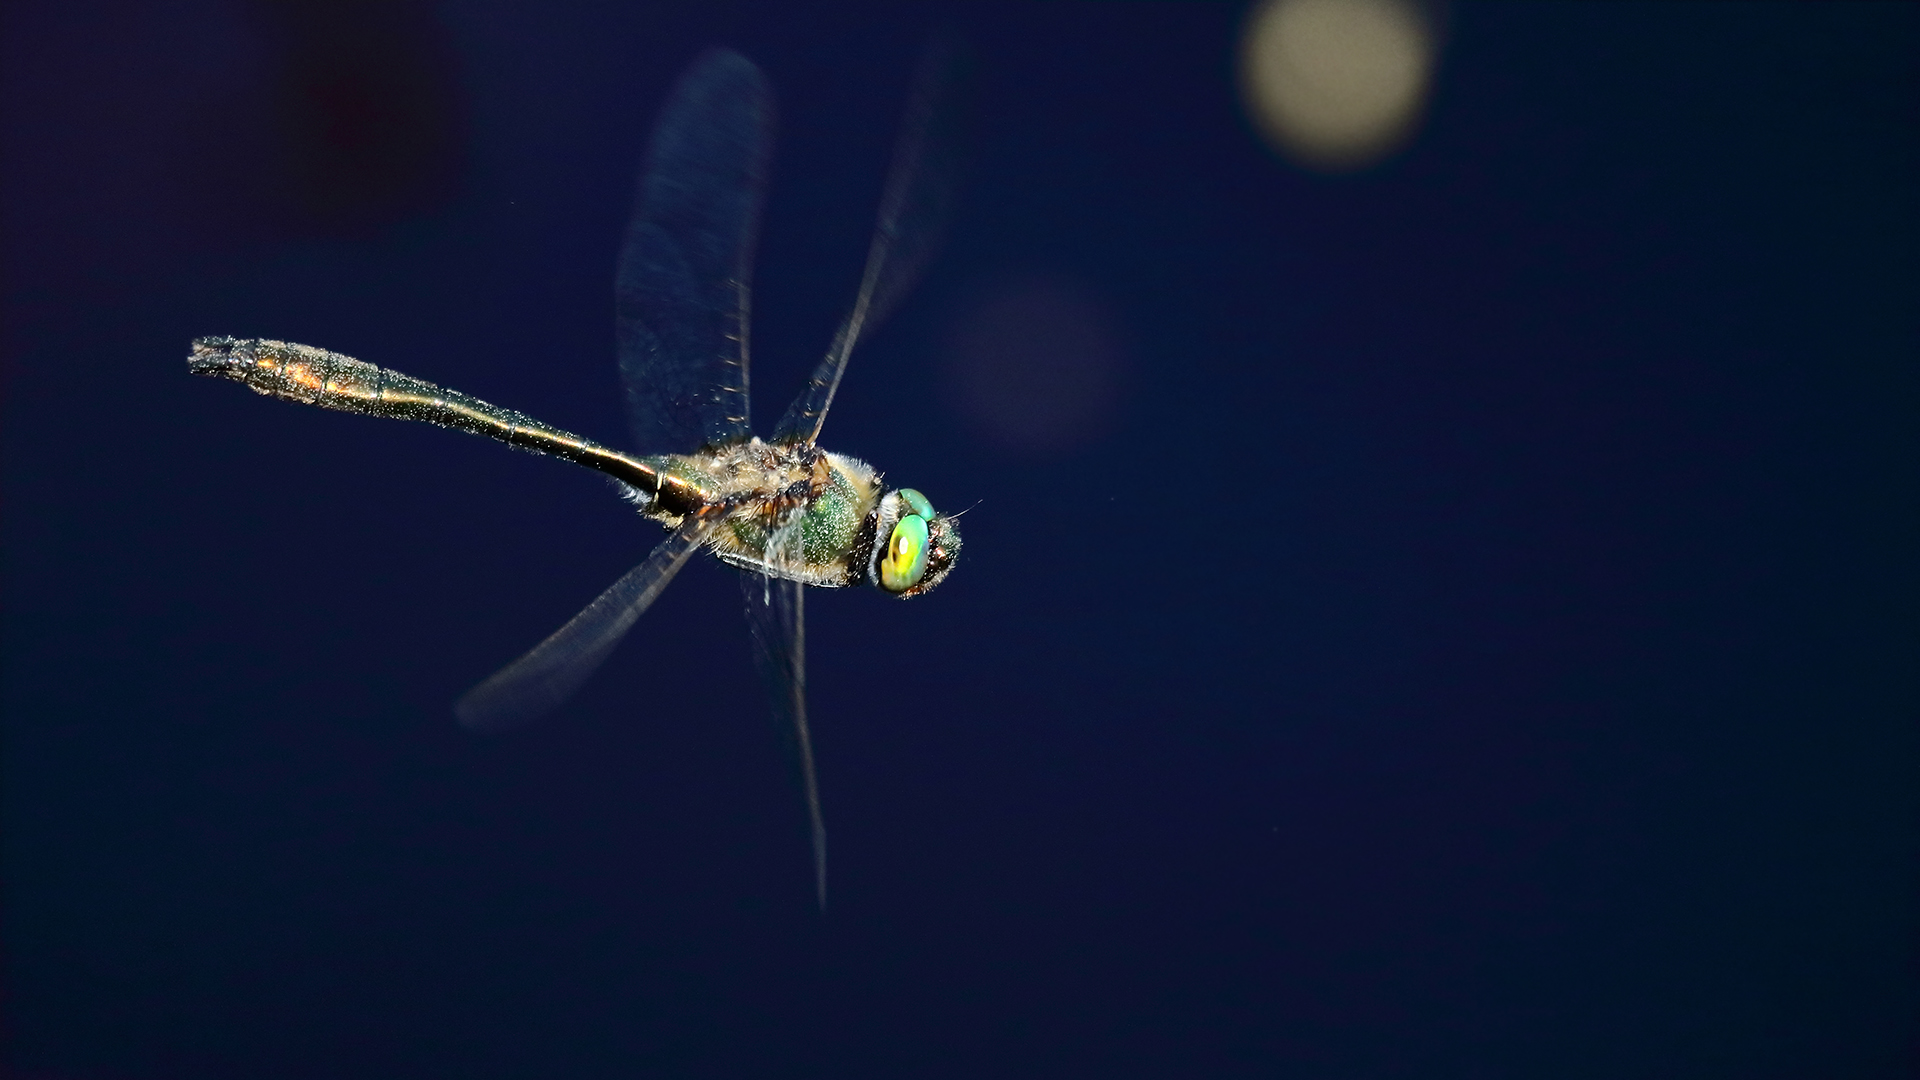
x: 776, y: 616
x: 682, y: 287
x: 549, y: 674
x: 914, y: 209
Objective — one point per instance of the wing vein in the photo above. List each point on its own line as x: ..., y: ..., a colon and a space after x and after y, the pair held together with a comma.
x: 553, y: 670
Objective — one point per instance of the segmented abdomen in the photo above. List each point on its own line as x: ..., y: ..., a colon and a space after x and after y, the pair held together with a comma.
x: 313, y: 376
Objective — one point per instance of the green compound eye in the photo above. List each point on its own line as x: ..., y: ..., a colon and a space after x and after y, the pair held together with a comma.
x: 916, y: 503
x: 905, y: 562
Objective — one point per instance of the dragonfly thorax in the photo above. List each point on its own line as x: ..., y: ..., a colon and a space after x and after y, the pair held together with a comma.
x: 799, y: 513
x: 791, y: 511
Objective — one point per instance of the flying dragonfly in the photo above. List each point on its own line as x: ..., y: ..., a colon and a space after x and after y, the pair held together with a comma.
x: 787, y: 513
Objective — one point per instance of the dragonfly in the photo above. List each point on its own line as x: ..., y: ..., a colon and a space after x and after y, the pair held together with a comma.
x: 785, y: 512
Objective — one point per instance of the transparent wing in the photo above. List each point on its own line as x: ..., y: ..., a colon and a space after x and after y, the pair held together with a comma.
x: 776, y: 616
x: 558, y: 666
x: 682, y: 288
x: 914, y: 209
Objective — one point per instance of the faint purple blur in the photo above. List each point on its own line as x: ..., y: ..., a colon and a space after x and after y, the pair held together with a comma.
x: 1035, y: 363
x: 368, y: 116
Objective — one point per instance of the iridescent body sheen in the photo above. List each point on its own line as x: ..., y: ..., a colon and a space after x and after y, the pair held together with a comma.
x: 765, y: 481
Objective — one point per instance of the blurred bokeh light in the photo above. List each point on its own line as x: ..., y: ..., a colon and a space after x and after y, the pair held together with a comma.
x: 369, y: 114
x: 1034, y: 363
x: 1337, y: 85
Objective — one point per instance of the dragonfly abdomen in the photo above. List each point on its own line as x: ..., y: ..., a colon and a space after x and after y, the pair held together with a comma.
x: 331, y: 380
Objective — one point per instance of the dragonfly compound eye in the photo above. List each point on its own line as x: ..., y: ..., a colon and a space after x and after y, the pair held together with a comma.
x: 905, y: 561
x: 916, y: 503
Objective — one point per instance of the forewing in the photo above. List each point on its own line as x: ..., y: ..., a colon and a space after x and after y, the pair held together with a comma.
x: 681, y: 291
x: 776, y: 616
x: 914, y: 210
x: 537, y: 682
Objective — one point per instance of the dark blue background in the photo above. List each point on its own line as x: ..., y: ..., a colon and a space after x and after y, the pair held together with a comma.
x: 1481, y: 645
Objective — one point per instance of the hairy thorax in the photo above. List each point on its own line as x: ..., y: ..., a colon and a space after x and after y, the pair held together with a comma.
x: 795, y: 512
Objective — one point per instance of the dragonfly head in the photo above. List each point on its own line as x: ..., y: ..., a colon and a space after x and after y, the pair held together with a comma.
x: 918, y: 548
